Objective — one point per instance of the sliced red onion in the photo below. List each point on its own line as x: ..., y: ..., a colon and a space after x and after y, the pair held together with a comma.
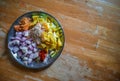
x: 16, y: 42
x: 29, y: 52
x: 10, y: 45
x: 23, y: 44
x: 26, y: 54
x: 28, y: 42
x: 34, y: 44
x: 26, y: 33
x: 12, y: 38
x: 23, y: 39
x: 18, y: 34
x: 24, y: 49
x: 18, y: 38
x: 19, y: 53
x: 35, y: 55
x: 25, y: 58
x: 30, y: 47
x: 31, y: 56
x: 15, y: 49
x: 29, y: 60
x: 22, y: 56
x: 30, y: 39
x: 35, y: 49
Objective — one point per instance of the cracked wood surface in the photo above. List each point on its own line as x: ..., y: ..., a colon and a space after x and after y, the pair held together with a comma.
x: 92, y: 46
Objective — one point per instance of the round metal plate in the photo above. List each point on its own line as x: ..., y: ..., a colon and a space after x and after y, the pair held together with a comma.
x: 34, y: 65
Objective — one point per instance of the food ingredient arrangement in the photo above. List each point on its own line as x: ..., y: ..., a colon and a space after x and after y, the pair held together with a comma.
x: 36, y: 39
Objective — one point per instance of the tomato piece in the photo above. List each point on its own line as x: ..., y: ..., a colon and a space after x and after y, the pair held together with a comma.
x: 42, y: 55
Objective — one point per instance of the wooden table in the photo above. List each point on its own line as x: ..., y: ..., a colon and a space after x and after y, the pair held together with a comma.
x: 92, y: 48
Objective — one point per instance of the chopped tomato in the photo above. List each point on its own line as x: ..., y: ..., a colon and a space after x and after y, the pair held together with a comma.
x: 42, y: 54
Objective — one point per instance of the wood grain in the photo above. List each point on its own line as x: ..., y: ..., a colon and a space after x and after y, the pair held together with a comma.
x: 92, y: 45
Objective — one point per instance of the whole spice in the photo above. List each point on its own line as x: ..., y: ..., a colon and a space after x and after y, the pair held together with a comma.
x: 42, y: 55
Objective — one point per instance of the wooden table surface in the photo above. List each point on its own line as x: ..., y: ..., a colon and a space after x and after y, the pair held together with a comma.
x: 92, y: 47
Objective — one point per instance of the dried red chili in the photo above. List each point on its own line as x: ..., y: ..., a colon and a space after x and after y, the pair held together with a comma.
x: 42, y: 55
